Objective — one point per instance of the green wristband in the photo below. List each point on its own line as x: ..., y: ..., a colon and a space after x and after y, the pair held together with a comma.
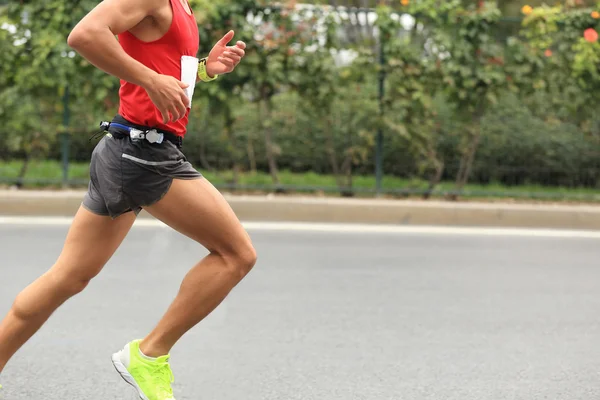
x: 202, y: 74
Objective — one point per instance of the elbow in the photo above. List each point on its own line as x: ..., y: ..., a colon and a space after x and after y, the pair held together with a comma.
x: 78, y: 38
x: 74, y: 39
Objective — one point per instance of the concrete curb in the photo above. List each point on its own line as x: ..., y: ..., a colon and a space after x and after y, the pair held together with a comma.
x: 336, y: 210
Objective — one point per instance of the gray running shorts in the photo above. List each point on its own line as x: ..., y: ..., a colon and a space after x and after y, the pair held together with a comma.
x: 127, y: 174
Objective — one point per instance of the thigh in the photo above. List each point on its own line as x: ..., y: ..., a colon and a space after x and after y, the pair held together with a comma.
x: 91, y: 241
x: 195, y: 208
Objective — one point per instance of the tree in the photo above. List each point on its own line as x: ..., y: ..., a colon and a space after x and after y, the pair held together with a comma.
x: 413, y: 76
x: 474, y: 73
x: 37, y: 67
x: 214, y: 20
x: 567, y: 39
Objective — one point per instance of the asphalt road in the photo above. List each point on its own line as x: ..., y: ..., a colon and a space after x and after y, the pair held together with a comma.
x: 328, y: 316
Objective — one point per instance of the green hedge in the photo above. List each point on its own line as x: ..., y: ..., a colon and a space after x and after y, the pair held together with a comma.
x: 517, y: 148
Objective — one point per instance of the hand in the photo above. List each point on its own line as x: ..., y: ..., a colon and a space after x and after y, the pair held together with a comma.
x: 168, y: 95
x: 222, y: 59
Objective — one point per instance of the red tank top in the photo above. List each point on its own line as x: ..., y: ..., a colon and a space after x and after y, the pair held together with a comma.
x: 163, y: 56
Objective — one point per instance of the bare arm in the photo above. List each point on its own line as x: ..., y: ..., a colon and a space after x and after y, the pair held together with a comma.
x: 94, y: 38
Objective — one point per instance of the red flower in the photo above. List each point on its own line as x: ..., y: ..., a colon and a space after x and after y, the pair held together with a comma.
x: 590, y: 35
x: 548, y: 53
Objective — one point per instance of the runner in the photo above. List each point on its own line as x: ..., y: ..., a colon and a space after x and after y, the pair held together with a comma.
x: 139, y: 164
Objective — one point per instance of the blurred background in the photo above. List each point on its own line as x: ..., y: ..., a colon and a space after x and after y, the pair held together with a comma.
x: 435, y: 99
x: 420, y: 99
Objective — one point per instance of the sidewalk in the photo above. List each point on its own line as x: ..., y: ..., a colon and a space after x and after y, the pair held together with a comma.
x: 336, y: 210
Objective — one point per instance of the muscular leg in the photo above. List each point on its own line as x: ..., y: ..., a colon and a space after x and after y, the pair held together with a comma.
x: 90, y: 243
x: 196, y: 209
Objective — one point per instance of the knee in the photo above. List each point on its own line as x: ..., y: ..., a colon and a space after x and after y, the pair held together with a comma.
x: 241, y: 259
x: 75, y: 286
x: 70, y: 284
x: 55, y: 287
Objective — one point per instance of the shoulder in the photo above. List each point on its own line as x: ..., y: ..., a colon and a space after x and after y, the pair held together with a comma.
x: 130, y: 8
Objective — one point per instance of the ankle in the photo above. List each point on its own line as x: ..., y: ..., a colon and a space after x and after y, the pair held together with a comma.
x: 153, y: 349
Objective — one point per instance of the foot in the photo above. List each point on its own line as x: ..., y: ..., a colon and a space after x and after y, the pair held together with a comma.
x: 151, y: 377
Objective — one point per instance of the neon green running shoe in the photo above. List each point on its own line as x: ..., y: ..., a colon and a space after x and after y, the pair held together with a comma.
x: 151, y: 378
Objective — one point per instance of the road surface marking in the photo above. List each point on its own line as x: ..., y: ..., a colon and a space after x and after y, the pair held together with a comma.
x: 341, y: 228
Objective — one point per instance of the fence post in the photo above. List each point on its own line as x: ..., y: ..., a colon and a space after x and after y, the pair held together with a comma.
x: 65, y: 138
x: 379, y: 140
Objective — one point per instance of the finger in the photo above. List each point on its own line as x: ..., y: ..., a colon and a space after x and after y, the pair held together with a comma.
x: 162, y: 111
x: 226, y: 61
x: 226, y: 39
x: 181, y: 110
x: 185, y: 99
x: 231, y: 56
x: 235, y: 59
x: 165, y: 115
x: 241, y: 44
x: 180, y: 106
x: 169, y: 117
x: 235, y: 50
x: 183, y: 85
x: 176, y: 112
